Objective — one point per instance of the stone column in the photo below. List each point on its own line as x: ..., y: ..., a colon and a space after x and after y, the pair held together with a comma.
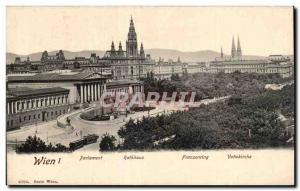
x: 96, y: 92
x: 12, y: 106
x: 8, y: 109
x: 29, y: 105
x: 16, y: 107
x: 99, y: 91
x: 25, y: 105
x: 88, y: 92
x: 93, y: 96
x: 104, y: 88
x: 84, y: 93
x: 81, y: 93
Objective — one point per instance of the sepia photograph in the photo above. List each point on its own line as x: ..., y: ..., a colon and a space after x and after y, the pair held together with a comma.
x: 150, y: 95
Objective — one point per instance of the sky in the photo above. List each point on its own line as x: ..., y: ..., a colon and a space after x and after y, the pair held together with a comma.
x: 262, y: 30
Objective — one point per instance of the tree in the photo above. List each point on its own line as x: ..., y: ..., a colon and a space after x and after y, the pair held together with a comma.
x: 175, y: 77
x: 107, y: 142
x: 32, y: 145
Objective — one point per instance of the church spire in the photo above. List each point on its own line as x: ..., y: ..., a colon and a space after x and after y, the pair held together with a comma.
x: 233, y: 50
x: 239, y: 50
x: 222, y: 55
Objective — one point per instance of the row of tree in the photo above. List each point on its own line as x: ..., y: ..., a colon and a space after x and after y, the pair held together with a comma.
x: 208, y: 85
x: 250, y: 123
x: 36, y: 145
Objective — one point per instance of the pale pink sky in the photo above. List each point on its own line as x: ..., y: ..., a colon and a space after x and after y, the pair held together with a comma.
x: 262, y: 30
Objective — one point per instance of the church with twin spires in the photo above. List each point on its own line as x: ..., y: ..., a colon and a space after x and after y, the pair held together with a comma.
x: 236, y: 51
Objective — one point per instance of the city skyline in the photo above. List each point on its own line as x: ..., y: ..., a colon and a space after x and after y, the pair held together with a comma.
x: 105, y: 24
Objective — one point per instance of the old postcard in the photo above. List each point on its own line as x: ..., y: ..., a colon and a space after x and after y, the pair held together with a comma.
x: 150, y: 95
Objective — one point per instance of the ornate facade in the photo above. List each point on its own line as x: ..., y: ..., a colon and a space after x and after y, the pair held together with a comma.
x: 130, y: 63
x: 26, y: 106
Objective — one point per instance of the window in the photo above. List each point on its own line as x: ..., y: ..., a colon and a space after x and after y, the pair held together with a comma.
x: 51, y: 113
x: 39, y: 115
x: 55, y: 112
x: 29, y: 117
x: 24, y: 118
x: 11, y: 122
x: 33, y: 116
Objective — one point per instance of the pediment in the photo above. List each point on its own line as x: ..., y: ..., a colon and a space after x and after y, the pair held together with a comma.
x: 93, y: 76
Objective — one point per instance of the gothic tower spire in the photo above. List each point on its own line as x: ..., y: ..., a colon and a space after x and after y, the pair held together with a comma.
x: 131, y: 43
x: 112, y: 46
x: 222, y: 55
x: 120, y: 46
x: 233, y: 50
x: 239, y: 50
x: 142, y: 53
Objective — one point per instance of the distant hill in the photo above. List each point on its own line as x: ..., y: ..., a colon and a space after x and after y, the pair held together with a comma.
x: 10, y: 57
x: 198, y: 56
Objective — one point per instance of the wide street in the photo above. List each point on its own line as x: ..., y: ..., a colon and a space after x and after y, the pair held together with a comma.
x: 50, y: 132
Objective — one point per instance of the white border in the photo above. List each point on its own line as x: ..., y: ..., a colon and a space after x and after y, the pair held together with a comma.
x: 5, y: 3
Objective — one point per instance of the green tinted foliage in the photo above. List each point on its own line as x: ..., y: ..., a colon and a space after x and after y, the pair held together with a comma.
x: 249, y: 123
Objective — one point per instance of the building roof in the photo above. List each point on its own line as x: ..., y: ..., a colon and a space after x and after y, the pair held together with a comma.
x: 21, y: 92
x: 53, y: 77
x: 241, y: 62
x: 122, y: 82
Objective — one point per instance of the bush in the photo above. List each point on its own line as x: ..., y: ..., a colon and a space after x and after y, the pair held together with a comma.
x: 35, y: 145
x: 107, y: 142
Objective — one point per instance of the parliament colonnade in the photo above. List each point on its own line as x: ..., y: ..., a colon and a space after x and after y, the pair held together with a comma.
x: 18, y: 106
x: 90, y: 92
